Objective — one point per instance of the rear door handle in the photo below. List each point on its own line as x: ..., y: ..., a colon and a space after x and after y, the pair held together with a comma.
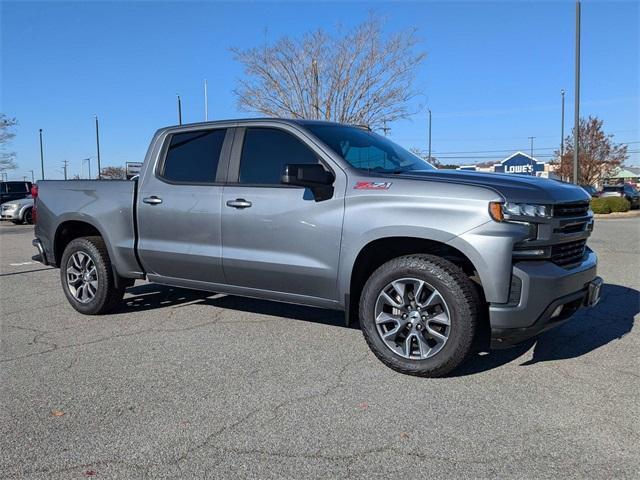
x: 239, y: 203
x: 152, y: 200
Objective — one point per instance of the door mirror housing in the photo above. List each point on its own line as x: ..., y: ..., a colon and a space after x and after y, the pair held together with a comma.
x: 311, y: 176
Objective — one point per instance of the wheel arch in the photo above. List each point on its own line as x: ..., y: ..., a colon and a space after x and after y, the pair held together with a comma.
x: 69, y: 230
x: 380, y: 250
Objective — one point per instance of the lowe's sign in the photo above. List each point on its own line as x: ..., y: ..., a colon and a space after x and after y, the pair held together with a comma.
x: 520, y: 163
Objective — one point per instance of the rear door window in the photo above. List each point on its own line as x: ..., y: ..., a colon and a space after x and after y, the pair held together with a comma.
x: 193, y: 157
x: 16, y: 187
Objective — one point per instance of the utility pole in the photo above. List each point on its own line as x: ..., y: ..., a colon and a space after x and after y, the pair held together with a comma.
x: 179, y: 110
x: 33, y: 179
x: 531, y: 139
x: 41, y: 155
x: 206, y: 102
x: 64, y: 167
x: 576, y: 119
x: 24, y: 178
x: 562, y: 128
x: 385, y: 129
x: 98, y: 148
x: 429, y: 136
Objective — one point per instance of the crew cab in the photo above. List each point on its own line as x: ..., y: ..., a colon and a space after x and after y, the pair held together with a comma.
x: 332, y: 216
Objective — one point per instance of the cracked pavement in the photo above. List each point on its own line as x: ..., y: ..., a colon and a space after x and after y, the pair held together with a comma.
x: 183, y: 384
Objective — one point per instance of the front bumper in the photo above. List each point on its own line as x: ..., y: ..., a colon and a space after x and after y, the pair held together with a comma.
x: 10, y: 215
x: 544, y: 288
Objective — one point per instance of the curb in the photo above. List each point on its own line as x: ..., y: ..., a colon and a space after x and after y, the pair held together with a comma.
x: 616, y: 215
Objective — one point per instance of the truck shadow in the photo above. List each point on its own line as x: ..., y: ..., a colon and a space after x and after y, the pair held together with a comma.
x: 587, y: 330
x: 150, y: 296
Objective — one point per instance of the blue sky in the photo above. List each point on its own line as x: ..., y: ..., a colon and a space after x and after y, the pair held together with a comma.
x: 492, y: 76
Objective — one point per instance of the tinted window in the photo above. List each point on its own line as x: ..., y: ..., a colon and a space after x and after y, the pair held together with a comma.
x: 16, y: 187
x: 366, y: 150
x: 194, y: 156
x: 266, y: 151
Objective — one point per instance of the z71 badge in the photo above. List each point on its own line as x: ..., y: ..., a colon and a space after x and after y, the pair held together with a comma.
x: 372, y: 185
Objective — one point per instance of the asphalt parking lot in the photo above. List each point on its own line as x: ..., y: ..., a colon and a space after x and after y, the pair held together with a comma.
x: 182, y: 384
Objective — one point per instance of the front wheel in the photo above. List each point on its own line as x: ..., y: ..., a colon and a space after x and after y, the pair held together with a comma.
x: 418, y: 314
x: 87, y: 277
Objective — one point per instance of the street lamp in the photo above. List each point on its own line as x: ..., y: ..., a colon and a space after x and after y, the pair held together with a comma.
x: 32, y: 177
x: 531, y: 139
x: 41, y: 155
x: 562, y: 127
x: 179, y: 110
x: 88, y: 160
x: 429, y: 136
x: 576, y: 120
x: 98, y: 148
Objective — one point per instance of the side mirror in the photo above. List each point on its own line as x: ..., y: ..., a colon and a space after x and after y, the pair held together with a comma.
x: 312, y: 176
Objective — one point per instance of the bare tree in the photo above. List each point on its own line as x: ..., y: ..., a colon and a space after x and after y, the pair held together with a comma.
x: 114, y: 173
x: 7, y: 159
x: 358, y: 77
x: 598, y: 155
x: 424, y: 154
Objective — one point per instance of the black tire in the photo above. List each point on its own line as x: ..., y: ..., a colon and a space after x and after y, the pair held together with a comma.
x: 457, y: 290
x: 107, y: 296
x: 28, y: 216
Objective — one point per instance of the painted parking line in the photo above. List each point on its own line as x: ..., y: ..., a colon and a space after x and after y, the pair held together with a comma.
x: 21, y: 263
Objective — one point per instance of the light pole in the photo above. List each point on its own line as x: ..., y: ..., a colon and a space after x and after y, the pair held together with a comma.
x: 88, y: 160
x: 33, y: 180
x: 562, y: 128
x: 206, y: 102
x: 576, y: 119
x: 531, y: 139
x: 179, y: 110
x: 429, y: 135
x: 98, y: 147
x: 41, y: 155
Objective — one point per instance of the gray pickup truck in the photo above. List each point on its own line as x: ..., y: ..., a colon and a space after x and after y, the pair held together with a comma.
x: 331, y: 216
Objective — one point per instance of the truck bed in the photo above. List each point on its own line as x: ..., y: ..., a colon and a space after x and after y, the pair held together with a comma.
x: 107, y: 205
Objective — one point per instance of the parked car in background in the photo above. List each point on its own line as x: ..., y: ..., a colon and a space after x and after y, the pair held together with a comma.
x: 14, y: 191
x: 18, y: 211
x: 625, y: 191
x: 591, y: 190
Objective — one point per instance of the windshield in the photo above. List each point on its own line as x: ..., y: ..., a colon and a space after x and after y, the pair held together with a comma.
x: 365, y: 150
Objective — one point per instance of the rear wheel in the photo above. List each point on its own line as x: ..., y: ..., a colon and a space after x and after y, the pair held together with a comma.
x: 87, y: 277
x: 418, y: 314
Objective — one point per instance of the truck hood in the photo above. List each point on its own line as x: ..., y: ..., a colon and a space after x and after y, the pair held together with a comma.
x: 513, y: 187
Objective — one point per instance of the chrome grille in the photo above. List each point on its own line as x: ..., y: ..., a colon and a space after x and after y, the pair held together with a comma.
x: 566, y: 254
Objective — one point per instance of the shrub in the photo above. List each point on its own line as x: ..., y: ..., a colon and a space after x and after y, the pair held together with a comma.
x: 599, y: 205
x: 618, y: 204
x: 609, y: 204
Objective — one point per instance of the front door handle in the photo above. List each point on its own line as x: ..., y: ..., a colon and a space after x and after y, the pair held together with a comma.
x: 238, y: 203
x: 152, y: 200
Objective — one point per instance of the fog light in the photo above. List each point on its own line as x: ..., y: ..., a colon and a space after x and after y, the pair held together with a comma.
x: 557, y: 311
x: 530, y: 253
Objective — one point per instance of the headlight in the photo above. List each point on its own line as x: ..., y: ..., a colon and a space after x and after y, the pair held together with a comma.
x: 9, y: 206
x: 503, y: 211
